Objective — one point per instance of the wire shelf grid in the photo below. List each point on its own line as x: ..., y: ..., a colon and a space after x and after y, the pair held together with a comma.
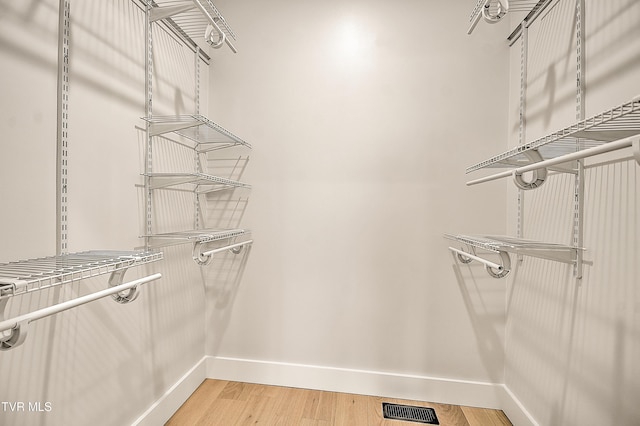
x: 196, y: 128
x: 193, y: 23
x: 493, y: 7
x: 614, y: 124
x: 199, y: 235
x: 35, y: 274
x: 502, y: 243
x: 165, y: 180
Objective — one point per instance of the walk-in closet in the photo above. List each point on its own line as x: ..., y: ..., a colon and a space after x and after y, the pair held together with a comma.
x: 349, y: 212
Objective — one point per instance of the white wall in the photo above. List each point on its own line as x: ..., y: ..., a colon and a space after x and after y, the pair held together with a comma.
x: 101, y: 363
x: 363, y: 117
x: 572, y: 346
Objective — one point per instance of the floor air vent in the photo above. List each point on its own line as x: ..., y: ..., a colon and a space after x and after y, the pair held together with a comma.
x: 410, y: 413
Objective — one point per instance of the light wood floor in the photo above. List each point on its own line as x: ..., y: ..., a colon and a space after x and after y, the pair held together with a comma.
x: 219, y: 402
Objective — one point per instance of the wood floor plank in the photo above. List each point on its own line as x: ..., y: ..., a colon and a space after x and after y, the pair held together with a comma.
x: 191, y: 410
x: 311, y: 404
x: 450, y: 415
x: 351, y: 410
x: 258, y: 410
x: 327, y: 407
x: 218, y: 402
x: 289, y: 406
x: 485, y: 417
x: 221, y: 412
x: 236, y: 390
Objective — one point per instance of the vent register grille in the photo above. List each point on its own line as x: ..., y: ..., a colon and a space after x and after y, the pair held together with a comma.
x: 410, y: 413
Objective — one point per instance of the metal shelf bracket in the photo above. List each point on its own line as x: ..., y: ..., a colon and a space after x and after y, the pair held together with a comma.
x: 159, y: 13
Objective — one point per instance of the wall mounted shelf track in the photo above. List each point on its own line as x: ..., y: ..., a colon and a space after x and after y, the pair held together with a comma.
x: 195, y: 20
x: 35, y: 274
x: 206, y: 134
x: 199, y: 23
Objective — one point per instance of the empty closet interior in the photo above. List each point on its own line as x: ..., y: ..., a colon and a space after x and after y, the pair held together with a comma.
x: 433, y: 201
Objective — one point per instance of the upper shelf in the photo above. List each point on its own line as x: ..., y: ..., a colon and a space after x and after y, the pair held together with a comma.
x: 196, y: 20
x: 493, y: 11
x: 615, y: 124
x: 196, y: 128
x: 34, y: 274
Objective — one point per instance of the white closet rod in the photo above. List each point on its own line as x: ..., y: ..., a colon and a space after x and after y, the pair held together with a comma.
x: 52, y: 310
x: 600, y: 149
x: 229, y: 247
x: 479, y: 259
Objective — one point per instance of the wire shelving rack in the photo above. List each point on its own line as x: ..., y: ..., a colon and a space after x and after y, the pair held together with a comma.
x: 30, y: 275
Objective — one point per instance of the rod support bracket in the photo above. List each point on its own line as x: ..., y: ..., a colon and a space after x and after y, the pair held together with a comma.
x: 506, y: 266
x: 210, y: 38
x: 200, y: 258
x: 539, y: 176
x: 204, y: 257
x: 17, y: 336
x: 502, y: 9
x: 116, y: 278
x: 464, y: 259
x: 493, y: 269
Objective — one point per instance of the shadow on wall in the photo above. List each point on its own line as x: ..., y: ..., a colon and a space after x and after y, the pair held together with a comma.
x: 224, y: 210
x: 572, y: 345
x: 43, y: 19
x: 222, y: 280
x: 484, y: 300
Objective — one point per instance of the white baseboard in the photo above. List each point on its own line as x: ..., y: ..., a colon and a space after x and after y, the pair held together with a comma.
x: 363, y: 382
x: 516, y: 412
x: 162, y: 410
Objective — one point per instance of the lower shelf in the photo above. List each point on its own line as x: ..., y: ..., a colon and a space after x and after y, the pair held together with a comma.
x: 34, y: 274
x: 501, y: 243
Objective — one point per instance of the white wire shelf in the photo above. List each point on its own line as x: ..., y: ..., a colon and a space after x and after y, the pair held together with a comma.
x: 500, y: 243
x: 25, y: 276
x: 617, y: 123
x: 212, y: 183
x: 196, y: 128
x: 196, y: 236
x: 194, y: 19
x: 493, y: 11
